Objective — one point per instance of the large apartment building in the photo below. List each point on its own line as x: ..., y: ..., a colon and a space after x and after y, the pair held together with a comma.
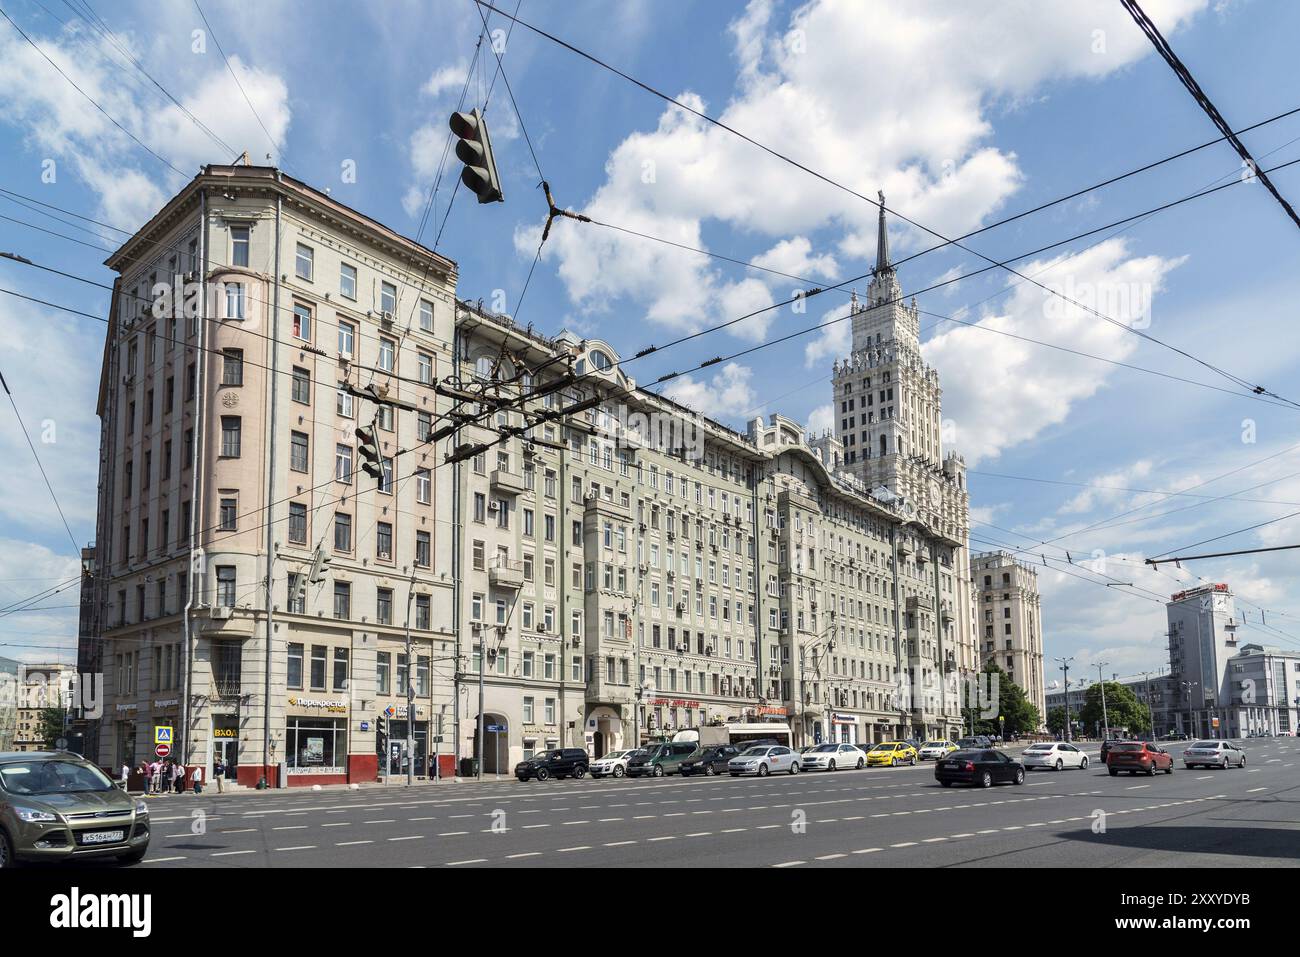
x: 1010, y: 621
x: 593, y: 579
x: 245, y: 310
x: 1202, y: 636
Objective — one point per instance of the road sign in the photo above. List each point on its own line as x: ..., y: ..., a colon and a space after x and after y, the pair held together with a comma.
x: 162, y: 734
x: 61, y: 744
x: 163, y: 750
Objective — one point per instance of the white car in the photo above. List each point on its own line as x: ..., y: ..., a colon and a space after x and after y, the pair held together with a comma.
x: 1055, y: 755
x: 1214, y: 754
x: 764, y: 760
x: 935, y: 750
x: 833, y: 757
x: 614, y: 764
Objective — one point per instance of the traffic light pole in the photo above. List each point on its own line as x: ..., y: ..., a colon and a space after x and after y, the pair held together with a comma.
x: 410, y: 689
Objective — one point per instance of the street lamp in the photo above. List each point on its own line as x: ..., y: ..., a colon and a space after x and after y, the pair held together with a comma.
x: 1105, y: 716
x: 1187, y: 690
x: 1065, y: 667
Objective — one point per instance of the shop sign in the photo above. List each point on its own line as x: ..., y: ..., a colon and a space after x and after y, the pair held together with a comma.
x: 773, y: 709
x: 228, y: 733
x: 166, y: 703
x: 330, y: 705
x: 843, y: 719
x: 316, y: 770
x: 673, y: 703
x: 127, y: 707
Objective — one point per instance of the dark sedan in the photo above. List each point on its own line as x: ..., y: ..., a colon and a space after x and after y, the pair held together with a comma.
x: 710, y: 761
x: 984, y: 768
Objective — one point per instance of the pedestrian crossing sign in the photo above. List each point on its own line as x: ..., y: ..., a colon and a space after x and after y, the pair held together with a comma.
x: 162, y: 734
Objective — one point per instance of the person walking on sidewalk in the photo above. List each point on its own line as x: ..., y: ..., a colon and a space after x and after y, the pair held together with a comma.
x: 125, y: 774
x: 198, y: 779
x: 219, y: 774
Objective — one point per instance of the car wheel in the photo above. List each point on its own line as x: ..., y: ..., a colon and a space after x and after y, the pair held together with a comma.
x: 893, y: 762
x: 1083, y: 765
x: 1020, y: 776
x: 762, y: 770
x: 543, y: 774
x: 579, y: 771
x: 987, y: 780
x: 135, y: 857
x: 794, y: 767
x: 1114, y: 773
x: 1151, y: 771
x: 6, y: 852
x: 1224, y: 765
x: 618, y: 771
x: 859, y: 765
x: 1059, y: 764
x: 708, y: 770
x: 659, y: 770
x: 734, y: 774
x: 831, y: 766
x: 1243, y: 762
x: 912, y: 761
x: 946, y: 784
x: 1170, y: 769
x: 522, y: 777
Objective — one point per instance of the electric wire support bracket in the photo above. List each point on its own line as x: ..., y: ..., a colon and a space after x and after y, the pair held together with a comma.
x: 557, y: 211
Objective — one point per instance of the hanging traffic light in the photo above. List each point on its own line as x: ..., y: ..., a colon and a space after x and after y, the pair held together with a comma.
x: 320, y: 566
x: 475, y: 151
x: 368, y: 450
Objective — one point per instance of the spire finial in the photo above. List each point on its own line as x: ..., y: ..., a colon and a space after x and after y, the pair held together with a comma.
x: 882, y: 240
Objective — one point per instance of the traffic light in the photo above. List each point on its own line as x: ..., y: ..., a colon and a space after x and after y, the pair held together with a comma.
x: 300, y: 585
x: 475, y: 151
x: 368, y: 450
x: 320, y: 565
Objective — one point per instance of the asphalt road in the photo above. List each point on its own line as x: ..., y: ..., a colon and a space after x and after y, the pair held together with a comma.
x: 881, y: 816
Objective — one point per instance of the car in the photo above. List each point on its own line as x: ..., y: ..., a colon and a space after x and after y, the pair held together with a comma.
x: 662, y: 759
x: 1136, y: 757
x: 935, y: 749
x: 764, y: 760
x: 1107, y: 745
x: 979, y: 742
x: 891, y: 754
x: 613, y: 763
x: 1056, y: 755
x: 833, y: 757
x: 57, y: 806
x: 712, y: 760
x: 1214, y: 754
x: 983, y: 767
x: 556, y: 762
x: 1175, y: 736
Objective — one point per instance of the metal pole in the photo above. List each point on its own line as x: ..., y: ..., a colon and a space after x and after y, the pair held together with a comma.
x: 1101, y: 680
x: 270, y: 500
x: 410, y: 688
x: 482, y: 655
x: 1065, y: 667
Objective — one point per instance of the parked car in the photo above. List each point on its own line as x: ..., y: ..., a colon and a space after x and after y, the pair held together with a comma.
x: 661, y: 759
x: 832, y: 757
x: 977, y: 742
x: 614, y: 763
x: 1138, y: 756
x: 57, y: 806
x: 710, y: 761
x: 935, y: 749
x: 558, y: 762
x: 764, y: 760
x: 1055, y: 754
x: 1175, y: 736
x: 1107, y: 745
x: 983, y: 767
x: 891, y: 754
x: 1214, y: 754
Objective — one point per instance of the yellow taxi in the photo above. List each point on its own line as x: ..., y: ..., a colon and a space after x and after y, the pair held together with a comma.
x: 891, y: 754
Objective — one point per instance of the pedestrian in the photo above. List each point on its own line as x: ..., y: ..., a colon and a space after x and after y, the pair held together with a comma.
x: 126, y: 774
x: 173, y: 778
x: 180, y: 778
x: 198, y: 779
x: 155, y: 774
x: 219, y: 774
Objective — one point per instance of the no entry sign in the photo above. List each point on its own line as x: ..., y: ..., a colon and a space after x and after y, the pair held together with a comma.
x: 163, y: 750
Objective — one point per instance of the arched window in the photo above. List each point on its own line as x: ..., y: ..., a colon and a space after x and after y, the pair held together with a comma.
x: 884, y: 445
x: 599, y: 360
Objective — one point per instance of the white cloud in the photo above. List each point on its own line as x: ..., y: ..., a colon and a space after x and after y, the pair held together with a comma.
x: 833, y: 342
x: 821, y: 419
x: 726, y: 395
x: 445, y: 78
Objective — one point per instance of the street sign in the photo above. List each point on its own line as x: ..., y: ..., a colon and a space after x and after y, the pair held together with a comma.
x: 61, y: 744
x: 163, y: 750
x: 162, y: 734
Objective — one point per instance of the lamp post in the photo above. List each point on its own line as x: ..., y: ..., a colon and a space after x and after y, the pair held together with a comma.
x: 1187, y: 690
x: 1151, y: 718
x: 1065, y: 667
x: 1105, y: 715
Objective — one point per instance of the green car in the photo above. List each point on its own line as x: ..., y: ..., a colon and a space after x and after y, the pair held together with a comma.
x: 57, y: 806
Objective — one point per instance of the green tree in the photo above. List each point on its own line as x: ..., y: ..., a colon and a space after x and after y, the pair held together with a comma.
x: 1056, y: 721
x: 1019, y: 714
x: 1123, y: 711
x: 49, y: 726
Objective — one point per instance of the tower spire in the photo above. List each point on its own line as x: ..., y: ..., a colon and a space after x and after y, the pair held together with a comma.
x: 882, y: 240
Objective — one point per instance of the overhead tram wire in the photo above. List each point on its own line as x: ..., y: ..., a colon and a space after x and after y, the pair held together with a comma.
x: 1147, y: 25
x: 93, y: 102
x: 279, y: 151
x: 880, y: 205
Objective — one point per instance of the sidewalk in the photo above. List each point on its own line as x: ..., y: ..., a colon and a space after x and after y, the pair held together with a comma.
x: 367, y: 786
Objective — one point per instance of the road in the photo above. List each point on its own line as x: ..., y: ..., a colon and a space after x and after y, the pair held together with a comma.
x: 881, y: 816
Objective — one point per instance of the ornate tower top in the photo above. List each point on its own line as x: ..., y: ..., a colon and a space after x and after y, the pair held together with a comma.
x: 883, y: 265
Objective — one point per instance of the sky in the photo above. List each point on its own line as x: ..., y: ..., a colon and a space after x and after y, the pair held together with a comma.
x: 962, y: 114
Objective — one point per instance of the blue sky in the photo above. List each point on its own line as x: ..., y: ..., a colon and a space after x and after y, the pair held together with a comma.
x: 961, y: 114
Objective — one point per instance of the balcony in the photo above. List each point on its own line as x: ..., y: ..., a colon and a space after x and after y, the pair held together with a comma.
x: 506, y: 574
x: 507, y: 482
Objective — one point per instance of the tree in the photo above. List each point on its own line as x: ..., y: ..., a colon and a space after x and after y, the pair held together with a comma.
x: 49, y: 726
x: 1056, y: 721
x: 1021, y: 717
x: 1123, y: 711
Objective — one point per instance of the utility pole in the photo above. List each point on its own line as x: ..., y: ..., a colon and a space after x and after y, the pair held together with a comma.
x: 1151, y: 718
x: 410, y: 689
x: 1065, y: 667
x: 1105, y: 716
x: 1187, y: 690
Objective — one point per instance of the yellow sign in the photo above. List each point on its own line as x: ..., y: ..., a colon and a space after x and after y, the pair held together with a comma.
x: 162, y: 734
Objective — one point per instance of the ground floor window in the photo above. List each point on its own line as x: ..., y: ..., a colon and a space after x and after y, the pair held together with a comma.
x: 316, y: 745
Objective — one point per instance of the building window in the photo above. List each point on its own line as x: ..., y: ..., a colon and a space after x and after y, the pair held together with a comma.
x: 426, y: 368
x: 426, y: 315
x: 423, y: 486
x: 297, y: 523
x: 298, y: 451
x: 304, y: 263
x: 302, y: 323
x: 342, y: 532
x: 294, y: 676
x: 422, y: 612
x: 347, y: 338
x: 383, y: 672
x: 387, y: 297
x: 340, y: 669
x: 384, y: 540
x: 229, y: 515
x: 386, y: 475
x: 301, y: 385
x: 342, y: 600
x: 387, y: 354
x: 239, y: 245
x: 348, y: 281
x: 232, y: 366
x: 230, y: 436
x: 343, y: 463
x: 384, y: 606
x: 226, y: 586
x: 234, y: 300
x: 422, y: 549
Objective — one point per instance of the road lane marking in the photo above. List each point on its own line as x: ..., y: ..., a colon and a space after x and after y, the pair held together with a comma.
x: 351, y: 843
x: 299, y: 847
x: 231, y: 853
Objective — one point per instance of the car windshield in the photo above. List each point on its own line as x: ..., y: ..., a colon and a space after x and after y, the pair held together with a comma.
x: 827, y: 748
x: 964, y: 756
x: 52, y: 777
x: 883, y: 747
x: 755, y: 752
x: 1126, y: 746
x: 1212, y: 745
x: 966, y: 742
x: 934, y: 744
x: 1040, y: 747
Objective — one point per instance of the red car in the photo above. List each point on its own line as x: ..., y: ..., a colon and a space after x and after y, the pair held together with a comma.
x: 1138, y: 757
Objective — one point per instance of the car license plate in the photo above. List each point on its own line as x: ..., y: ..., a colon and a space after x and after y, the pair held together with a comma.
x: 102, y: 837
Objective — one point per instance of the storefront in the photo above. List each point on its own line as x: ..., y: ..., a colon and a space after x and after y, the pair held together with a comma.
x: 125, y: 737
x: 225, y: 743
x: 316, y: 741
x: 845, y: 728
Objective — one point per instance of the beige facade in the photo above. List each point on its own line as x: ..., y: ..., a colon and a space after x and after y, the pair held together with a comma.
x: 43, y: 685
x: 1011, y: 621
